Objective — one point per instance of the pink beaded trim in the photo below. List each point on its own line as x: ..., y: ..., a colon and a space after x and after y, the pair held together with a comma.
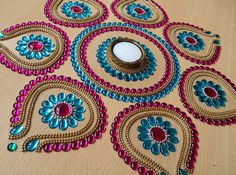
x: 73, y: 24
x: 205, y: 119
x: 214, y: 58
x: 135, y: 23
x: 137, y: 166
x: 29, y: 72
x: 85, y: 64
x: 57, y: 147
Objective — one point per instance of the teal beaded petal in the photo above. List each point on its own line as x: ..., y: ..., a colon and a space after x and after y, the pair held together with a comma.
x: 33, y: 145
x: 17, y: 130
x: 103, y: 60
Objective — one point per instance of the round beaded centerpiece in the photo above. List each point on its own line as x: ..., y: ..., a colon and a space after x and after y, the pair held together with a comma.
x: 125, y: 59
x: 34, y: 48
x: 208, y: 95
x: 152, y: 137
x: 56, y: 113
x: 143, y: 13
x: 80, y: 13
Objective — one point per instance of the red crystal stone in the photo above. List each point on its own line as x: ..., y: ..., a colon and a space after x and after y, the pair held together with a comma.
x: 63, y: 109
x: 191, y: 40
x: 76, y: 9
x: 158, y: 134
x: 210, y: 92
x: 35, y: 45
x: 139, y: 10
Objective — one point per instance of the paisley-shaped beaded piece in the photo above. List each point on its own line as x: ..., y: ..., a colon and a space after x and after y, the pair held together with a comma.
x: 142, y: 13
x: 161, y: 83
x: 193, y: 43
x: 208, y: 95
x: 76, y: 110
x: 82, y: 13
x: 151, y: 137
x: 34, y: 48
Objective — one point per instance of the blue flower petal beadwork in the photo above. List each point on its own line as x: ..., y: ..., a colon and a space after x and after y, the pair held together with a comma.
x: 191, y: 41
x: 210, y: 93
x: 34, y: 46
x: 76, y: 10
x: 139, y: 11
x: 146, y: 73
x: 158, y: 136
x: 62, y: 111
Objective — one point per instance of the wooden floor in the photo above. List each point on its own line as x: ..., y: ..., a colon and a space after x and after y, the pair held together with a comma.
x: 217, y: 153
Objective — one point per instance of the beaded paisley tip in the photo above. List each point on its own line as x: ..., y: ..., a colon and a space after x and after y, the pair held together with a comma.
x: 193, y: 43
x: 152, y: 137
x: 142, y: 13
x: 81, y: 13
x: 138, y: 67
x: 209, y: 96
x: 34, y: 48
x: 57, y: 113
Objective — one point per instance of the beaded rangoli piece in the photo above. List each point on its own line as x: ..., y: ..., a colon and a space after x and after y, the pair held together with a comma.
x: 55, y: 113
x: 34, y: 48
x: 79, y: 13
x: 155, y: 138
x: 208, y: 95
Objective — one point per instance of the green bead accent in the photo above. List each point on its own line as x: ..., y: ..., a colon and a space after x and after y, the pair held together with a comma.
x: 208, y: 32
x: 217, y: 36
x: 216, y: 41
x: 1, y: 35
x: 12, y: 147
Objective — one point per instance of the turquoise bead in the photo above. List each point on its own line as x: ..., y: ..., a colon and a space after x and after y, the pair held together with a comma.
x: 17, y: 130
x: 2, y: 35
x: 32, y: 146
x: 12, y: 147
x: 182, y: 172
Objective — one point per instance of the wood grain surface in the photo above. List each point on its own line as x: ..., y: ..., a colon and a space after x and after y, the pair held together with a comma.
x: 217, y: 155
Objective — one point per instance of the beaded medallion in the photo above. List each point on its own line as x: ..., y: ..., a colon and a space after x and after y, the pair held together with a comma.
x: 154, y: 72
x: 79, y: 13
x: 155, y: 138
x: 55, y: 113
x: 209, y: 96
x: 34, y: 48
x: 193, y: 43
x: 143, y: 13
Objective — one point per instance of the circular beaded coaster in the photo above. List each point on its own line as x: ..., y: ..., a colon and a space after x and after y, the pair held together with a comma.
x: 57, y: 113
x: 152, y: 137
x: 193, y: 43
x: 34, y: 48
x: 208, y: 95
x: 126, y: 68
x: 143, y: 13
x: 80, y: 13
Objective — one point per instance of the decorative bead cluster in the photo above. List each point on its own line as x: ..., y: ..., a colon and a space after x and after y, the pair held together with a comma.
x: 34, y: 46
x: 76, y: 10
x: 139, y: 11
x: 62, y: 111
x: 112, y: 92
x: 158, y: 136
x: 146, y: 73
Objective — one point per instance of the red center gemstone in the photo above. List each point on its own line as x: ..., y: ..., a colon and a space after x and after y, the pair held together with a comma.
x: 63, y: 109
x: 139, y: 10
x: 191, y: 40
x: 210, y: 92
x: 35, y: 45
x: 76, y: 9
x: 158, y: 134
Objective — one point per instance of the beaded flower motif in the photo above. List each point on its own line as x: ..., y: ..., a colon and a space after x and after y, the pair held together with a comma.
x: 139, y: 11
x: 146, y: 73
x: 76, y: 10
x: 158, y: 136
x: 210, y: 93
x: 191, y: 41
x: 62, y: 111
x: 34, y: 46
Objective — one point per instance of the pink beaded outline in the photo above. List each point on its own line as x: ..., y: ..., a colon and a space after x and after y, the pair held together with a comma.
x: 29, y: 72
x: 48, y: 14
x: 213, y: 60
x: 157, y: 25
x: 204, y: 119
x: 137, y: 166
x: 57, y: 147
